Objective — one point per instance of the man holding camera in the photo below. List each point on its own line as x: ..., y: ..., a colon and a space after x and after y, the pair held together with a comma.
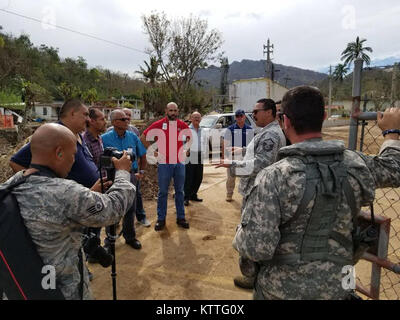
x: 75, y: 116
x: 122, y: 139
x: 55, y: 210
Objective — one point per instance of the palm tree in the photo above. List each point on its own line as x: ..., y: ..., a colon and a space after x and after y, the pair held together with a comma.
x: 356, y: 50
x: 151, y: 73
x: 340, y: 72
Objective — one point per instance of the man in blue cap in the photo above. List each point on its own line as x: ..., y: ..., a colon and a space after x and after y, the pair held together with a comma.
x: 238, y: 135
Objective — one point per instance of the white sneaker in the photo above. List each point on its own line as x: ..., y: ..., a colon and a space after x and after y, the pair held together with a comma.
x: 145, y: 222
x: 229, y: 198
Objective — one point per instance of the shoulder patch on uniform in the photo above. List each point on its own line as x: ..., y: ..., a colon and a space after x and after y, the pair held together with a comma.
x: 268, y: 145
x: 97, y: 207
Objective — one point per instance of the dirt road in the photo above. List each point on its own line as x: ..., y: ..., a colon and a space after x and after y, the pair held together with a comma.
x: 179, y: 264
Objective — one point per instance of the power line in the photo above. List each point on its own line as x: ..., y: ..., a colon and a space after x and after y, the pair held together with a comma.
x: 73, y: 31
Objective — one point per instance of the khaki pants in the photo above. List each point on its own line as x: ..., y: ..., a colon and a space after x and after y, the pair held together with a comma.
x: 230, y: 183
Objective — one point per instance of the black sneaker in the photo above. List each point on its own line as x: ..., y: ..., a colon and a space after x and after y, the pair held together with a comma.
x: 182, y: 223
x: 159, y: 225
x: 134, y: 243
x: 186, y: 203
x: 196, y: 199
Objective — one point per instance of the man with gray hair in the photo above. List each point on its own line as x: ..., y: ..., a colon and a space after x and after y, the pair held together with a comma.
x: 140, y: 212
x: 122, y: 139
x: 194, y: 164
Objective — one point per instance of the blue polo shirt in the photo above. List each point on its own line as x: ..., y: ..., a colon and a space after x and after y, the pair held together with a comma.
x: 83, y: 171
x: 234, y: 132
x: 129, y: 140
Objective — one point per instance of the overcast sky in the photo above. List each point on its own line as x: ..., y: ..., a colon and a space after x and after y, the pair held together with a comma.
x: 309, y: 34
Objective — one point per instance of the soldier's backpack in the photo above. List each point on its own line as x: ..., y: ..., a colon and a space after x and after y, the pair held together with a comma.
x: 21, y: 266
x: 326, y: 179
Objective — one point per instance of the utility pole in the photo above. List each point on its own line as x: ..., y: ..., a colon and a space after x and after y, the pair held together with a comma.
x: 286, y: 80
x: 224, y: 79
x: 330, y: 91
x: 393, y: 93
x: 269, y: 66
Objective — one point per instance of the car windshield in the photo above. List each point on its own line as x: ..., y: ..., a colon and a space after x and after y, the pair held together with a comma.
x: 208, y: 121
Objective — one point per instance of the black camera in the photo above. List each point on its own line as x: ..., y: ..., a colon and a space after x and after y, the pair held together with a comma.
x: 96, y: 252
x: 107, y: 164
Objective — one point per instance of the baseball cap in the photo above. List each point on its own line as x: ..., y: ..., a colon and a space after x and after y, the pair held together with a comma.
x: 239, y: 112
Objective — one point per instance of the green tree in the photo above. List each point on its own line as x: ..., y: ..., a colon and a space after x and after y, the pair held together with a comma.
x: 340, y: 72
x: 151, y: 73
x: 69, y: 91
x: 356, y: 50
x: 90, y: 96
x: 181, y: 47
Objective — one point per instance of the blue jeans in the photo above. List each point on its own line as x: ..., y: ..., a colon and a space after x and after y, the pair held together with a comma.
x: 165, y: 173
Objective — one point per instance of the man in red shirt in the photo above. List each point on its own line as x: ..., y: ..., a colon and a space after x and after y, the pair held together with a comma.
x: 169, y: 134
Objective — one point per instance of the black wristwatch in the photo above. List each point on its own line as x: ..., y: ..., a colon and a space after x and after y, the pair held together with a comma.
x: 384, y: 133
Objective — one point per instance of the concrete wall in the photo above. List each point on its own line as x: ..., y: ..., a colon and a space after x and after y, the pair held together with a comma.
x: 244, y: 93
x: 135, y: 114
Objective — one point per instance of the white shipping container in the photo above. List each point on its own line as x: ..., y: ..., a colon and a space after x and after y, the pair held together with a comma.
x: 244, y: 93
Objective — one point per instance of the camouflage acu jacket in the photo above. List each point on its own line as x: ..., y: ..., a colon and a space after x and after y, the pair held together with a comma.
x: 275, y: 197
x: 261, y: 152
x: 55, y: 212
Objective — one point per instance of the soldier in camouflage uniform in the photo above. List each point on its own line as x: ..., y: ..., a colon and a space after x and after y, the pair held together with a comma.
x: 297, y: 222
x: 261, y: 152
x: 56, y: 211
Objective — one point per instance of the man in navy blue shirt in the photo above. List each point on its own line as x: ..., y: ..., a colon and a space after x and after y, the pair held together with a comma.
x: 123, y: 139
x: 237, y: 135
x: 74, y: 115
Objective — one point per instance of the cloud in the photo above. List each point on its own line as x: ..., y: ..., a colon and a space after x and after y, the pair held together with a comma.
x: 306, y: 33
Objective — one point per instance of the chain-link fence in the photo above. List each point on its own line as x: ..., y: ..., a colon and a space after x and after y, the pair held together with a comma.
x: 381, y: 281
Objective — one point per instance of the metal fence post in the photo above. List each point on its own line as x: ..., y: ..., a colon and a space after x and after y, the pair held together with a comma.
x: 355, y: 110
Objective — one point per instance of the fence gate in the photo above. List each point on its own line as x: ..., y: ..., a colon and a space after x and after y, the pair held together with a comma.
x: 382, y: 262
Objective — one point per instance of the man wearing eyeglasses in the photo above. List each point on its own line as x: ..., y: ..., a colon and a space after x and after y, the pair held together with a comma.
x: 237, y: 136
x: 122, y: 139
x: 298, y: 221
x: 261, y: 152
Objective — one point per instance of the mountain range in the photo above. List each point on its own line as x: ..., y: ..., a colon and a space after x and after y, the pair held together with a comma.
x: 287, y: 76
x: 246, y: 69
x: 389, y: 61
